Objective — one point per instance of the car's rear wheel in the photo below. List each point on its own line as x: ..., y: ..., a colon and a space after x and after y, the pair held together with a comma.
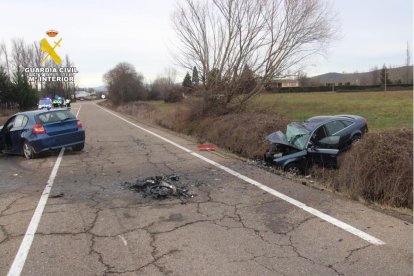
x: 294, y: 169
x: 356, y: 138
x: 78, y: 147
x: 28, y: 151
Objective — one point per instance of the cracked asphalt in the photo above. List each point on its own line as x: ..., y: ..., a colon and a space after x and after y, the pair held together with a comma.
x: 230, y: 228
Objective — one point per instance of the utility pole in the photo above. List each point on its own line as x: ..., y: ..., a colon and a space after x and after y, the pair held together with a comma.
x: 385, y: 78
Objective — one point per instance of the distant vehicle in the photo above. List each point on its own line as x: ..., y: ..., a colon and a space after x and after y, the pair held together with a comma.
x: 58, y: 102
x: 33, y: 132
x: 45, y: 103
x: 318, y: 140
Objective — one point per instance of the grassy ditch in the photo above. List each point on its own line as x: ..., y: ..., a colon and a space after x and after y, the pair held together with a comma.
x: 378, y: 169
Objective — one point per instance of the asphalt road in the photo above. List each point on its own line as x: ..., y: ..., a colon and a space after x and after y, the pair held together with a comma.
x: 230, y: 228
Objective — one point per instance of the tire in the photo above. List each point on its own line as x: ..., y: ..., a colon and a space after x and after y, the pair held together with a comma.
x: 293, y: 169
x: 28, y: 151
x: 355, y: 138
x: 78, y: 147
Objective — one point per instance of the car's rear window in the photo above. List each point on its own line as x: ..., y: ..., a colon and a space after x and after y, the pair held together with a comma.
x: 55, y: 116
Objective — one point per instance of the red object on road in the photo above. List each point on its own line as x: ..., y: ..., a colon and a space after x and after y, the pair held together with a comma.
x: 206, y: 147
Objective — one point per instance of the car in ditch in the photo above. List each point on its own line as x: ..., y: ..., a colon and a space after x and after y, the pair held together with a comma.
x: 318, y: 140
x: 31, y: 133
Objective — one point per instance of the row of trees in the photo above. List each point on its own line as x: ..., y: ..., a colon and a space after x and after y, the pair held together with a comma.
x: 125, y: 84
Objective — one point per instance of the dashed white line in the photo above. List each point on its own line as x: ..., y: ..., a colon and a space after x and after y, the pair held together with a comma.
x: 21, y: 256
x: 313, y: 211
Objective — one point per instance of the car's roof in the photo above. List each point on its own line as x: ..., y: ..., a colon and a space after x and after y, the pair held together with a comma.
x: 40, y: 111
x: 316, y: 121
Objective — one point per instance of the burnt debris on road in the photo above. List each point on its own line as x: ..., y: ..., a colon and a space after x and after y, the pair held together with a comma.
x: 161, y: 187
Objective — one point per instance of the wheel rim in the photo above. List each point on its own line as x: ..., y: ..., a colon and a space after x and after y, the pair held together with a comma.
x: 293, y: 170
x: 27, y: 151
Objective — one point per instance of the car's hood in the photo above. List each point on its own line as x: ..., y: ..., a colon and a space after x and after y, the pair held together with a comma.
x: 279, y: 137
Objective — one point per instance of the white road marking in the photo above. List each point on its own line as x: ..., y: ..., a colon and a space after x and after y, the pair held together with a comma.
x: 123, y: 240
x: 77, y: 114
x: 20, y: 259
x: 317, y: 213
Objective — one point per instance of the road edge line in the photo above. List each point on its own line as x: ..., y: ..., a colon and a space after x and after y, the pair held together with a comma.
x: 336, y: 222
x: 21, y: 256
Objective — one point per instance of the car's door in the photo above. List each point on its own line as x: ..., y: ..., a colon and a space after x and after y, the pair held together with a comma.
x: 19, y: 125
x: 322, y: 149
x: 5, y: 134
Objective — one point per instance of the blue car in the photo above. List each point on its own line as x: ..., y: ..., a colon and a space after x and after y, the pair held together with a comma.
x: 318, y: 140
x: 33, y: 132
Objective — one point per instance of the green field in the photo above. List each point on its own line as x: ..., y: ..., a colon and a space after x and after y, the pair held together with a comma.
x: 383, y: 110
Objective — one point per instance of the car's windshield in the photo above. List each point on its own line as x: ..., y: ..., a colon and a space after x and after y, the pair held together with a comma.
x: 297, y: 135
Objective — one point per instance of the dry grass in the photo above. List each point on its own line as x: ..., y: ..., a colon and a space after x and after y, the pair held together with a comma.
x: 379, y: 168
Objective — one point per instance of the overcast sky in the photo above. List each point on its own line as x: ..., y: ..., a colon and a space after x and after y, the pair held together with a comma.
x: 98, y: 34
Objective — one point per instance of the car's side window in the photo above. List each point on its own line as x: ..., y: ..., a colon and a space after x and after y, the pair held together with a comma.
x: 347, y: 123
x: 25, y: 120
x: 334, y: 127
x: 319, y: 134
x: 18, y: 121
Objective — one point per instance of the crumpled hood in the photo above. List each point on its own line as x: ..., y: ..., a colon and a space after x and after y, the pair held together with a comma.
x: 279, y: 137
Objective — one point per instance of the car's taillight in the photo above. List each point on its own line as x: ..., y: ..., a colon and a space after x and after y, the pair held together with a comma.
x: 79, y: 124
x: 38, y: 129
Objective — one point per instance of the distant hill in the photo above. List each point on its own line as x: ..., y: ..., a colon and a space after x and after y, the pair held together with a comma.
x: 402, y: 74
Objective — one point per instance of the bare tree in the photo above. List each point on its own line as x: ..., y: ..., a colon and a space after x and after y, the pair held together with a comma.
x: 124, y: 84
x: 4, y: 58
x: 222, y: 37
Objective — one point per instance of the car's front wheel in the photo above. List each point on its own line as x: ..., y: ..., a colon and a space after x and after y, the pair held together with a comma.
x: 28, y: 151
x: 294, y: 169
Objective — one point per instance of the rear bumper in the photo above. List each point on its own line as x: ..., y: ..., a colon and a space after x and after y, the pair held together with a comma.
x: 45, y: 142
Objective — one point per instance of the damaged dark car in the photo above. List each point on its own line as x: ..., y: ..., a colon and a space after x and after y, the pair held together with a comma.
x: 318, y: 140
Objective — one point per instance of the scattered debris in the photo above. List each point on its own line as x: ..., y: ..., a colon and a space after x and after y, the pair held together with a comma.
x: 60, y: 194
x: 206, y: 147
x: 161, y: 187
